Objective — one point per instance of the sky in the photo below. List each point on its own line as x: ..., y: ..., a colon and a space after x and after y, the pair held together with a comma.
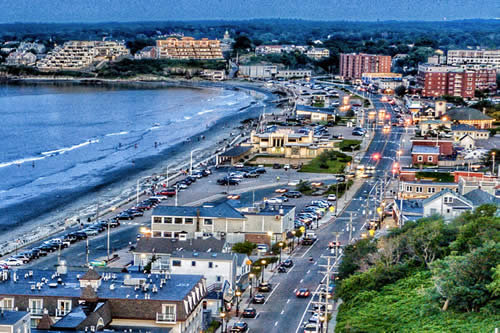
x: 67, y: 11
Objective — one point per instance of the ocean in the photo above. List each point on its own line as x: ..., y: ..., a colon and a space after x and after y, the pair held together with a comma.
x: 61, y: 142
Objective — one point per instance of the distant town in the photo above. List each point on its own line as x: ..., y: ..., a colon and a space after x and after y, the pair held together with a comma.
x: 361, y: 195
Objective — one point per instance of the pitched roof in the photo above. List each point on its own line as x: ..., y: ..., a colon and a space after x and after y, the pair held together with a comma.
x: 167, y: 245
x: 221, y: 210
x: 448, y: 191
x: 425, y: 150
x: 465, y: 113
x: 236, y: 151
x: 45, y: 323
x: 11, y: 317
x: 479, y: 197
x: 466, y: 127
x: 91, y: 275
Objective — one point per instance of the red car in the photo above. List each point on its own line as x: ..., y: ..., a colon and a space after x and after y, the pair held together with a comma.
x: 170, y: 192
x: 303, y: 293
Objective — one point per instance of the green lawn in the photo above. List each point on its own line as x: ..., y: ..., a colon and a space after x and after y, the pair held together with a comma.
x: 346, y: 145
x: 441, y: 177
x: 405, y: 307
x: 327, y: 162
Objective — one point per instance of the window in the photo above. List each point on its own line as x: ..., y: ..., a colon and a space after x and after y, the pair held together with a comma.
x: 429, y: 159
x: 188, y: 220
x: 448, y: 200
x: 418, y: 189
x: 207, y: 222
x: 157, y: 219
x: 156, y: 233
x: 448, y: 210
x: 420, y: 158
x: 178, y: 220
x: 431, y: 190
x: 36, y: 306
x: 167, y: 313
x: 63, y: 307
x: 176, y: 263
x: 7, y: 304
x: 219, y: 279
x: 409, y: 188
x: 193, y: 263
x: 167, y: 220
x: 433, y: 211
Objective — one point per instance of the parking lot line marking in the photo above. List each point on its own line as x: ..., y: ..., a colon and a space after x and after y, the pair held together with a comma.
x: 258, y: 313
x: 271, y: 293
x: 100, y: 247
x: 276, y: 324
x: 291, y: 269
x: 301, y: 281
x: 308, y: 271
x: 288, y: 300
x: 282, y: 311
x: 295, y: 290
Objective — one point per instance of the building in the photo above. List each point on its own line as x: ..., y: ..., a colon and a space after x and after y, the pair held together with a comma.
x: 189, y: 48
x: 226, y: 42
x: 425, y: 155
x: 318, y: 53
x: 316, y: 114
x: 470, y: 116
x: 474, y: 57
x: 75, y: 55
x: 269, y: 49
x: 209, y: 257
x: 375, y: 78
x: 149, y: 52
x: 420, y: 189
x: 214, y: 74
x: 222, y: 220
x: 293, y: 74
x: 445, y: 144
x: 446, y: 203
x: 288, y: 144
x: 353, y: 65
x: 88, y: 301
x: 31, y: 46
x: 234, y: 155
x: 15, y: 321
x: 433, y: 126
x: 460, y: 130
x: 438, y: 80
x: 258, y: 71
x: 20, y: 58
x: 467, y: 142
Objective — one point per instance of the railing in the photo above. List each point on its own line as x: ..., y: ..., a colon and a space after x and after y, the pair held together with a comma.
x: 36, y: 311
x: 165, y: 317
x: 62, y: 312
x: 4, y: 308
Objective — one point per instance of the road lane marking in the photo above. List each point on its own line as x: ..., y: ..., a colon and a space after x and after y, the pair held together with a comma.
x: 271, y: 293
x: 308, y: 271
x: 309, y: 249
x: 288, y: 300
x: 276, y: 324
x: 258, y: 313
x: 305, y: 311
x: 282, y: 311
x: 301, y: 281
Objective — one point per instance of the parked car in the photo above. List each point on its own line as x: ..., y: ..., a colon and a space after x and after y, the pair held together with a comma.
x: 239, y: 326
x: 282, y: 269
x: 276, y: 166
x: 259, y: 299
x: 292, y: 194
x: 249, y: 313
x: 265, y: 287
x: 124, y: 216
x: 12, y: 262
x: 287, y: 263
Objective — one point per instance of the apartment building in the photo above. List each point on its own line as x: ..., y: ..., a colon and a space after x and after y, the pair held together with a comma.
x: 293, y: 73
x: 222, y: 220
x: 353, y: 65
x: 189, y: 48
x: 420, y: 189
x: 437, y: 80
x: 489, y: 58
x: 88, y: 301
x: 75, y: 55
x: 258, y: 71
x: 20, y: 58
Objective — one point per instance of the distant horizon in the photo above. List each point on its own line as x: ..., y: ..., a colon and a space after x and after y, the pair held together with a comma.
x: 124, y: 11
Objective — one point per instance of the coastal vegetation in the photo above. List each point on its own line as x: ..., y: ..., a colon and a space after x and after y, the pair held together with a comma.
x: 427, y: 276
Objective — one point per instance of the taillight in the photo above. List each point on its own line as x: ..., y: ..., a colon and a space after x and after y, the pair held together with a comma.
x: 307, y: 293
x: 298, y: 293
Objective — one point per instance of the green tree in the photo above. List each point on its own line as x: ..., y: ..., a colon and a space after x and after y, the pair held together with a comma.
x: 244, y: 247
x: 400, y: 91
x: 354, y: 255
x: 494, y: 286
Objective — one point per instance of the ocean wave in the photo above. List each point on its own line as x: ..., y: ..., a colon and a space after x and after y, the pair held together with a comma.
x: 66, y: 149
x: 232, y: 103
x: 187, y: 118
x: 21, y: 161
x: 117, y: 133
x: 206, y: 111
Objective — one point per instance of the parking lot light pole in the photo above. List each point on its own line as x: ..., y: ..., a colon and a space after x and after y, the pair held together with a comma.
x: 281, y: 246
x: 191, y: 163
x: 168, y: 167
x: 223, y: 316
x: 251, y: 276
x: 293, y: 239
x: 238, y: 296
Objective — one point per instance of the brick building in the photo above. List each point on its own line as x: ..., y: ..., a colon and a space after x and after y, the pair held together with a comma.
x: 353, y: 65
x: 188, y: 48
x: 445, y: 144
x: 437, y: 80
x: 425, y: 155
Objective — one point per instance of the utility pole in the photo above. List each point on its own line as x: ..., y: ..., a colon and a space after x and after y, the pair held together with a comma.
x: 323, y: 314
x: 350, y: 227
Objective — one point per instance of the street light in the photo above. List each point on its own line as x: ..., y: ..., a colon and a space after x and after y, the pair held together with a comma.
x: 293, y: 239
x: 493, y: 166
x: 168, y: 167
x: 263, y: 262
x: 223, y: 316
x: 108, y: 241
x: 281, y: 245
x: 191, y: 164
x: 270, y: 234
x: 251, y: 276
x: 238, y: 295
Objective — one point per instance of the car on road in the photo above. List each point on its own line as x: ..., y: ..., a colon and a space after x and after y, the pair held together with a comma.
x: 249, y: 313
x: 287, y: 263
x: 303, y: 293
x: 274, y: 201
x: 240, y: 326
x: 124, y: 216
x: 227, y: 181
x: 259, y: 299
x: 12, y: 262
x: 282, y: 269
x: 292, y: 194
x: 333, y: 244
x: 331, y: 197
x: 265, y: 287
x: 91, y: 231
x: 170, y: 192
x: 310, y: 327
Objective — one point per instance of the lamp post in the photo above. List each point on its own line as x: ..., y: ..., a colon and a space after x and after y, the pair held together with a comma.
x: 191, y: 163
x: 270, y: 234
x: 168, y: 167
x: 223, y: 316
x: 109, y: 227
x: 263, y: 263
x: 251, y: 276
x: 293, y: 239
x: 281, y: 245
x: 238, y: 296
x: 493, y: 166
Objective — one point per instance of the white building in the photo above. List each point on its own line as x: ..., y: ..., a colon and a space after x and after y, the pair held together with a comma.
x: 318, y: 53
x: 21, y: 59
x: 258, y: 71
x: 446, y: 203
x: 293, y: 73
x: 479, y: 57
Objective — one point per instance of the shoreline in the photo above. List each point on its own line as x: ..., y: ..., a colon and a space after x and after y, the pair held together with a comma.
x: 72, y: 204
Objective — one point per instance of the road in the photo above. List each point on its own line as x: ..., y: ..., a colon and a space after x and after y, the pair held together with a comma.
x: 283, y: 312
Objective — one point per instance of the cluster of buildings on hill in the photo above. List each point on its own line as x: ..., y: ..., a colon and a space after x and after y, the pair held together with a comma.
x: 310, y: 51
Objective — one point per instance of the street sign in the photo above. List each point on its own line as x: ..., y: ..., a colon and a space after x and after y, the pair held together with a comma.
x: 302, y: 229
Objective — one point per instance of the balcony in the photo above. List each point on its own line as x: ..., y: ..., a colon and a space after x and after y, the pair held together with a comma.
x: 165, y: 318
x: 36, y: 311
x: 62, y: 312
